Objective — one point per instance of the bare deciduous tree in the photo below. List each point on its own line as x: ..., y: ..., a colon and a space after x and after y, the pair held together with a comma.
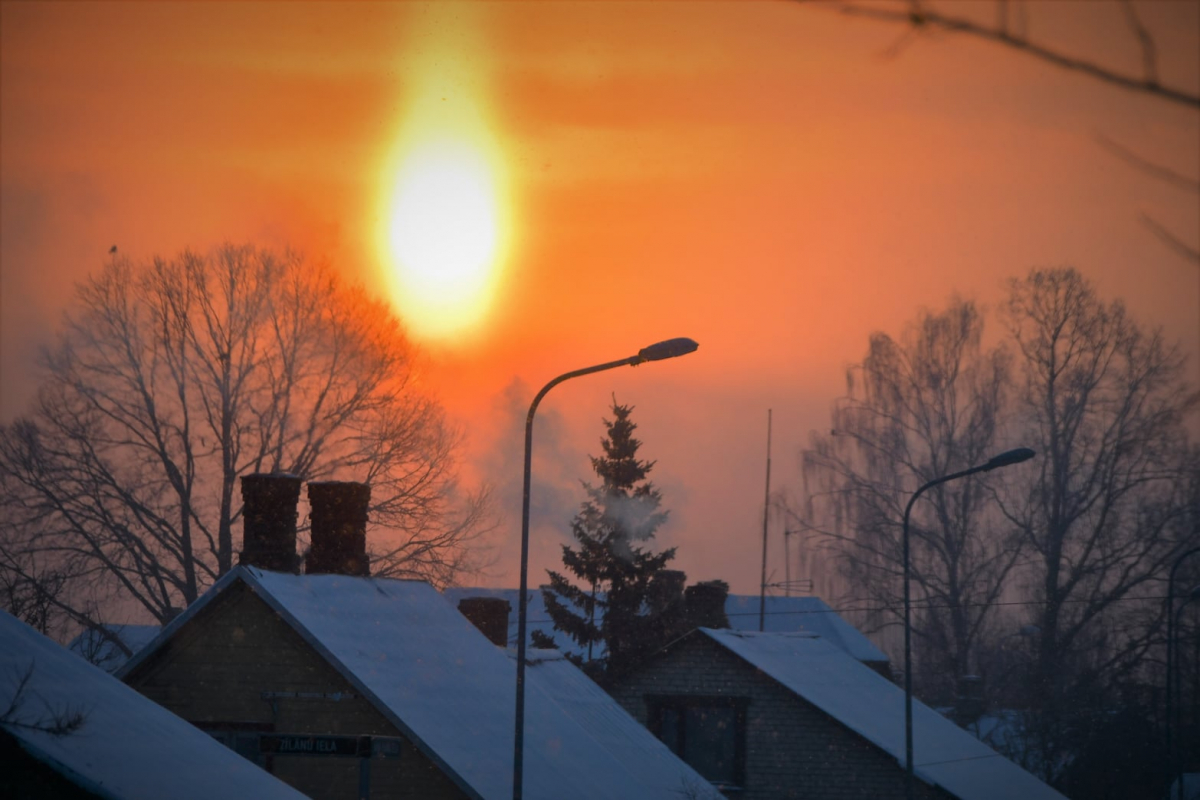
x: 174, y: 378
x: 1104, y: 402
x: 916, y: 409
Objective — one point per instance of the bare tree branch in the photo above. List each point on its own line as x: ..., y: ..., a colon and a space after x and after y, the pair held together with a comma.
x: 55, y: 722
x: 1156, y: 171
x: 1171, y: 240
x: 921, y: 17
x: 1149, y: 51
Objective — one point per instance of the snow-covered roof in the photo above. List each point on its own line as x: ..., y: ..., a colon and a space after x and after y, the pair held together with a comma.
x: 128, y: 747
x: 782, y: 614
x: 631, y: 744
x: 872, y: 706
x: 446, y: 687
x: 1191, y: 787
x: 797, y: 614
x: 102, y: 651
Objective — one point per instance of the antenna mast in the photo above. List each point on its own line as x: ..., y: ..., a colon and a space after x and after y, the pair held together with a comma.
x: 762, y: 595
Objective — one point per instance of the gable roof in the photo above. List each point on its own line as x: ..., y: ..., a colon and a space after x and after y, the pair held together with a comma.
x: 444, y: 685
x: 810, y: 614
x: 944, y: 754
x: 128, y: 746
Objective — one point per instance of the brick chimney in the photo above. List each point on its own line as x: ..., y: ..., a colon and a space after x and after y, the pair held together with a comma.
x: 706, y: 604
x: 666, y: 590
x: 269, y: 521
x: 490, y: 615
x: 969, y: 703
x: 339, y: 528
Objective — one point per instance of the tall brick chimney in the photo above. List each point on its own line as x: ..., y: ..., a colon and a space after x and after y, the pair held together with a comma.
x: 339, y: 528
x: 706, y: 604
x: 490, y: 615
x: 269, y: 521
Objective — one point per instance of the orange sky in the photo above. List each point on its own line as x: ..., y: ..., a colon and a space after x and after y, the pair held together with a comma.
x: 759, y: 177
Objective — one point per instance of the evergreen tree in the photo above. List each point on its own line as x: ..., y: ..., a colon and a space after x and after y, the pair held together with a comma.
x: 611, y: 564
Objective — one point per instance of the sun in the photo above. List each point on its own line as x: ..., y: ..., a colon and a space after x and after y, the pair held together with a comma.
x: 444, y: 228
x: 444, y: 236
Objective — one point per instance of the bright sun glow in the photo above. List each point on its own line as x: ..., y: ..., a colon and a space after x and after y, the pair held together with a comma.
x: 444, y: 235
x: 444, y: 231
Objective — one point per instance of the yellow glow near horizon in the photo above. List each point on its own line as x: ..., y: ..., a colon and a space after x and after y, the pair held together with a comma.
x: 444, y: 225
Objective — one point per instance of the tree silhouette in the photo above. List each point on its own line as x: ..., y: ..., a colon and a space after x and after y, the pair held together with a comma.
x: 172, y: 379
x: 919, y: 407
x: 614, y: 572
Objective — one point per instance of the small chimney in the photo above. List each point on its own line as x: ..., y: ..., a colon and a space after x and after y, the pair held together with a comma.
x: 339, y: 528
x: 706, y: 604
x: 490, y: 615
x: 968, y: 701
x: 269, y: 521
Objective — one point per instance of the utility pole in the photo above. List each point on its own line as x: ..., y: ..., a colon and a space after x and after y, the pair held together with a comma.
x: 762, y: 594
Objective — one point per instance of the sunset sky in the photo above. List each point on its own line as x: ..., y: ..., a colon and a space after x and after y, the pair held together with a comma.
x: 768, y: 179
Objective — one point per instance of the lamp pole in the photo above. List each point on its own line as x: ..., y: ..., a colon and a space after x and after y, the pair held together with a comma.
x: 1177, y: 762
x: 671, y: 348
x: 1003, y: 460
x: 1171, y: 652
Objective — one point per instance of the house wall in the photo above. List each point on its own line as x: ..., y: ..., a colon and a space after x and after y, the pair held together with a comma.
x: 23, y: 776
x: 216, y: 668
x: 793, y: 749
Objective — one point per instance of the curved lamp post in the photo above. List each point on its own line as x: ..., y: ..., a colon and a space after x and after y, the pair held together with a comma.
x: 671, y: 348
x: 1175, y: 716
x: 1003, y: 460
x: 1171, y: 655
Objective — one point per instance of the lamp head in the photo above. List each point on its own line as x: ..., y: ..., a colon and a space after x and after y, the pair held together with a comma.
x: 1010, y: 457
x: 668, y: 349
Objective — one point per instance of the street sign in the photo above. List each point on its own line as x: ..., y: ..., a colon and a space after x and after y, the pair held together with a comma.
x: 285, y: 745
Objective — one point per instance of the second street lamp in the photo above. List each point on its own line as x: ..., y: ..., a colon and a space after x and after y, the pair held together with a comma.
x: 1171, y: 655
x: 1005, y: 459
x: 671, y: 348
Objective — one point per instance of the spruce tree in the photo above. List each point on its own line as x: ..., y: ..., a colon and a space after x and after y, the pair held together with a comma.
x: 612, y: 566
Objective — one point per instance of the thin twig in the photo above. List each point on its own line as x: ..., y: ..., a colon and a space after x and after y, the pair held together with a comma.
x: 1157, y: 171
x: 1171, y: 240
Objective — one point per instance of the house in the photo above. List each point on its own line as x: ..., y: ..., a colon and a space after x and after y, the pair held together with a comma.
x: 125, y: 747
x: 348, y: 686
x: 783, y: 614
x: 783, y: 715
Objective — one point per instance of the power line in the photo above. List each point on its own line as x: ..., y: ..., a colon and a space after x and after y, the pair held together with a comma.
x: 1159, y: 598
x: 859, y: 609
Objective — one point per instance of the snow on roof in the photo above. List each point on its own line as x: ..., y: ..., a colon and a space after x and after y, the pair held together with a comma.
x: 943, y: 753
x: 551, y: 674
x: 441, y: 682
x: 1191, y: 787
x: 783, y: 614
x: 100, y: 650
x: 793, y: 614
x: 128, y: 747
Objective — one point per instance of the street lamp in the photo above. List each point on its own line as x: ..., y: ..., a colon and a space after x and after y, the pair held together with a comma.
x: 671, y: 348
x: 1005, y: 459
